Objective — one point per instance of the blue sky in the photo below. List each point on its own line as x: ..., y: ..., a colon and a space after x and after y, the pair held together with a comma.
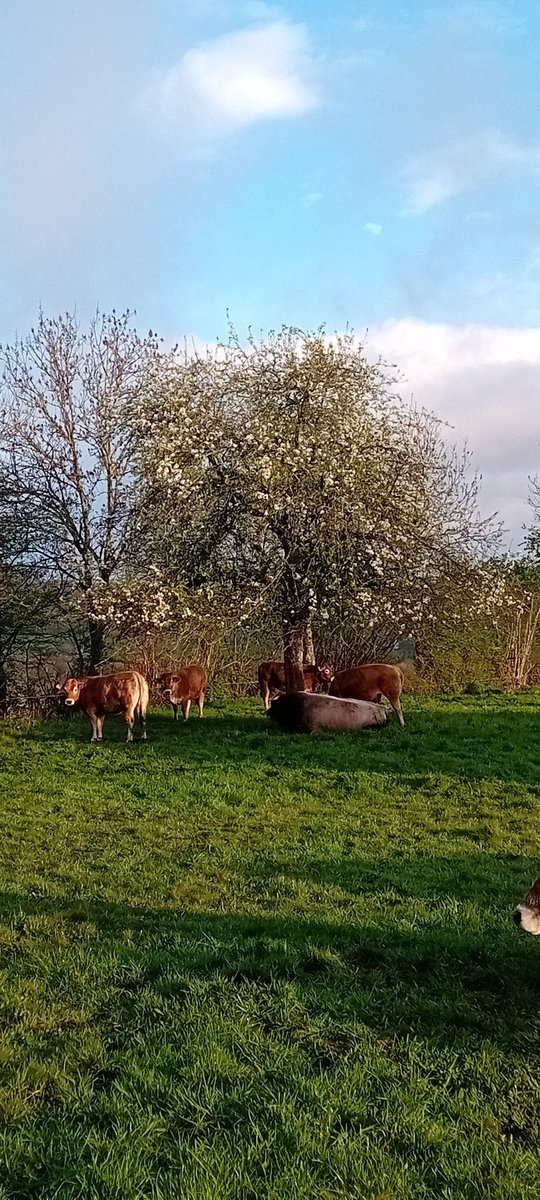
x: 377, y: 164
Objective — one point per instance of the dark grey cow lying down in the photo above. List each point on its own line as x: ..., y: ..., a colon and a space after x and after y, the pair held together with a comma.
x: 527, y: 914
x: 307, y: 712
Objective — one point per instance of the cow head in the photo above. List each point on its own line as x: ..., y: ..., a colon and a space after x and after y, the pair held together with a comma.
x: 165, y: 680
x: 326, y: 674
x: 72, y: 690
x: 527, y: 914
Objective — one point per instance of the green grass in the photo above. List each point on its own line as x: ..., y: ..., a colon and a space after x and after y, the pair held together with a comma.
x: 236, y: 965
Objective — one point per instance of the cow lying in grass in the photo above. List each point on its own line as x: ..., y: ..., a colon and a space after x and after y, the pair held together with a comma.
x: 309, y: 712
x: 98, y: 695
x: 527, y: 914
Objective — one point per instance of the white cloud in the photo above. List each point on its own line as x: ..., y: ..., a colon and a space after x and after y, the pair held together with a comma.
x: 434, y: 177
x: 485, y: 382
x: 373, y: 228
x: 255, y: 74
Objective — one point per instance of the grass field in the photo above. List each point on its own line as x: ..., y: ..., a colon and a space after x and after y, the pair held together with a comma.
x: 237, y: 965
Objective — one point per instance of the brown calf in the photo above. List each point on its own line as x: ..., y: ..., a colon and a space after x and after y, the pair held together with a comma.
x: 98, y: 695
x: 181, y: 686
x: 371, y: 683
x: 271, y: 677
x: 527, y: 914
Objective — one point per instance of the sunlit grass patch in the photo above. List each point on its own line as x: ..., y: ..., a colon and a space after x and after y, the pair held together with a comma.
x: 239, y: 964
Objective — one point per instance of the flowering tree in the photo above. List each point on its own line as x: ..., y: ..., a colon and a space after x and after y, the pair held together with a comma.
x: 66, y: 446
x: 289, y: 472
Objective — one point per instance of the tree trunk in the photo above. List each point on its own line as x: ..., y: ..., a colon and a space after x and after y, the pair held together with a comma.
x: 294, y: 658
x: 96, y: 650
x: 3, y: 690
x: 309, y: 649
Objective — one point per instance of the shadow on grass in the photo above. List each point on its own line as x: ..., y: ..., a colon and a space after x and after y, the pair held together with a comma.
x: 454, y: 984
x: 497, y: 743
x: 485, y: 879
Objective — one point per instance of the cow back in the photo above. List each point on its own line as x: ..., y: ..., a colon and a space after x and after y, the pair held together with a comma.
x: 113, y: 693
x: 271, y: 674
x: 367, y: 682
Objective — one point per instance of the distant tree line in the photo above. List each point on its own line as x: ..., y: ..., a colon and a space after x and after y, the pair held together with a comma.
x: 264, y: 497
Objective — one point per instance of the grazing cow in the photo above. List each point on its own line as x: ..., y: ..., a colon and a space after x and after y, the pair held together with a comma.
x: 271, y: 677
x: 308, y: 712
x: 182, y: 686
x: 527, y: 914
x: 371, y: 683
x: 97, y: 695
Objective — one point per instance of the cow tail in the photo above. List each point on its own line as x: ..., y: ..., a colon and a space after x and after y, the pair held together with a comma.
x: 144, y: 696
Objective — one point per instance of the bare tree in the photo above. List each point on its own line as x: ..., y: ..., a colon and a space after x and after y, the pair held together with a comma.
x: 27, y: 600
x: 532, y: 541
x: 66, y: 445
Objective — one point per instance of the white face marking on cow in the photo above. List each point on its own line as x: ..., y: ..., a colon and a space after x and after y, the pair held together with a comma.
x: 529, y: 919
x: 72, y: 688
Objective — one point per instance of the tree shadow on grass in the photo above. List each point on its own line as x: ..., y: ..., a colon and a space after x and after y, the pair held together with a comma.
x: 492, y: 744
x: 454, y: 984
x: 485, y: 879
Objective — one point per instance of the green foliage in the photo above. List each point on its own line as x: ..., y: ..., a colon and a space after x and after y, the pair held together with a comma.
x: 242, y: 965
x: 473, y: 651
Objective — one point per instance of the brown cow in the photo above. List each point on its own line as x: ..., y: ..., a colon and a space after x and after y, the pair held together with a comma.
x: 527, y: 914
x: 97, y: 695
x: 304, y: 712
x: 371, y: 683
x: 271, y: 676
x: 182, y: 685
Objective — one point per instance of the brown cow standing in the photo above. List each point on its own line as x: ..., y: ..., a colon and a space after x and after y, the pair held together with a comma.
x: 97, y: 695
x: 371, y: 683
x: 181, y: 686
x: 271, y: 677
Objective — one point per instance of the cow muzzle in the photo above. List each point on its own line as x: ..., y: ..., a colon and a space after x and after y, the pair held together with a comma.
x: 69, y: 702
x: 527, y: 919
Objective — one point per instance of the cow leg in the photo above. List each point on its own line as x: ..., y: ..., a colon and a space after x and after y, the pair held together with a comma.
x: 142, y: 719
x: 201, y: 704
x: 265, y: 697
x: 95, y: 727
x: 99, y: 724
x: 175, y: 712
x: 185, y: 709
x: 396, y: 705
x: 130, y: 719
